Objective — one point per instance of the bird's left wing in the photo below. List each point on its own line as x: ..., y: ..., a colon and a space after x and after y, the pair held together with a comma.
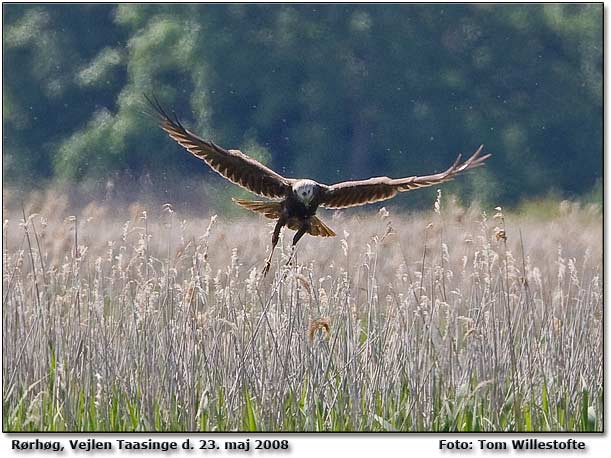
x: 353, y: 193
x: 234, y: 165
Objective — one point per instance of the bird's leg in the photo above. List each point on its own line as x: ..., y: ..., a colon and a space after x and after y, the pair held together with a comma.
x: 300, y: 233
x: 275, y: 238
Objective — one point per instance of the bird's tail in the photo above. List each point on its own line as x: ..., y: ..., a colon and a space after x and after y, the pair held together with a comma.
x: 273, y: 210
x: 318, y: 228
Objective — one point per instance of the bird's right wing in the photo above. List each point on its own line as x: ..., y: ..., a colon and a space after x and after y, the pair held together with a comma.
x: 231, y: 164
x: 353, y: 193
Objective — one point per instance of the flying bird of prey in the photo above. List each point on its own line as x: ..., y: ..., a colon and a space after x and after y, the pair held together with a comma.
x: 298, y: 199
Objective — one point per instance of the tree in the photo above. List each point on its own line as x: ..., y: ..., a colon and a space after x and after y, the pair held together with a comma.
x: 330, y: 91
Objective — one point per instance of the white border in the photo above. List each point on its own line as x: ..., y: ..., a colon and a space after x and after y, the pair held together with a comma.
x: 350, y: 444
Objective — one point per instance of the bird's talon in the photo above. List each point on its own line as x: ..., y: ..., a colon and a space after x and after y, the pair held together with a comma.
x: 266, y: 268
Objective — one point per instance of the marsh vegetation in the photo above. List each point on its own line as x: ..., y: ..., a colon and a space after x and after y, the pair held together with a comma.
x: 453, y: 319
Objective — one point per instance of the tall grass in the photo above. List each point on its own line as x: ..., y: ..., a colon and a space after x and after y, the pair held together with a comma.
x: 450, y: 320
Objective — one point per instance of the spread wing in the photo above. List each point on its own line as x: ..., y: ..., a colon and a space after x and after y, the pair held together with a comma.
x: 353, y: 193
x: 234, y: 165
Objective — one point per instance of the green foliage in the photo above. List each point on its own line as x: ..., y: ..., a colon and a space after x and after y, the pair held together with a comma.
x: 333, y: 92
x: 250, y: 422
x: 595, y: 196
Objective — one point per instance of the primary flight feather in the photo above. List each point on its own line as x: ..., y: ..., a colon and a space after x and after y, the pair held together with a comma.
x: 300, y: 198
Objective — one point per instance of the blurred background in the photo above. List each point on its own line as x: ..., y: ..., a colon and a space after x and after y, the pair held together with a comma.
x: 331, y: 92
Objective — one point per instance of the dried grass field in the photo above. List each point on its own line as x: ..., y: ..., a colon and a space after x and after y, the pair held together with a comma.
x: 449, y: 320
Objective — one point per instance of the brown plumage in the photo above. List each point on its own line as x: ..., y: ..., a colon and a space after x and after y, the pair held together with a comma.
x: 300, y: 197
x: 231, y: 164
x: 273, y: 210
x: 353, y: 193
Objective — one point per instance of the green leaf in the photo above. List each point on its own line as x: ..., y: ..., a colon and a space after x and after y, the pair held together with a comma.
x: 251, y: 422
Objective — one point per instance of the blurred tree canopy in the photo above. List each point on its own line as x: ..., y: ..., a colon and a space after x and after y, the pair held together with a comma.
x: 332, y: 92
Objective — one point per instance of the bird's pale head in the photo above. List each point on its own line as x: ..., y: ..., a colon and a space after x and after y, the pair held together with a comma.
x: 304, y: 190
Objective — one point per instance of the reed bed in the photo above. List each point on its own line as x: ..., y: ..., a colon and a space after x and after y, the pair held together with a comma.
x: 454, y: 319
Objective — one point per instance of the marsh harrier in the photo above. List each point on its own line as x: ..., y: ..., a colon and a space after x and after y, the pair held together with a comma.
x: 298, y: 199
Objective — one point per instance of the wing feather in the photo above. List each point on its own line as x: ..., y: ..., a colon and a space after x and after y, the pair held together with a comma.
x: 234, y: 165
x: 353, y: 193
